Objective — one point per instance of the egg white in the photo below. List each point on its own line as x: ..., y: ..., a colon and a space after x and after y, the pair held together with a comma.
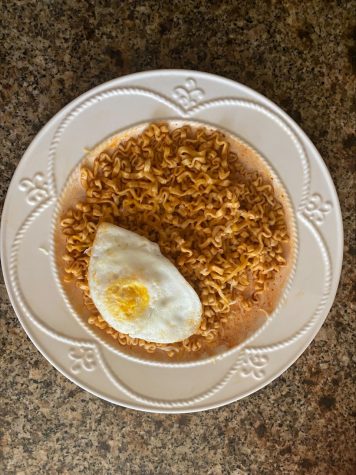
x: 173, y: 312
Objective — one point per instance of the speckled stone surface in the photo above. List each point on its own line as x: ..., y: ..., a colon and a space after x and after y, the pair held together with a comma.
x: 301, y: 57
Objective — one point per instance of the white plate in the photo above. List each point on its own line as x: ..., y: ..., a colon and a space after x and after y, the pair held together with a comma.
x: 31, y: 278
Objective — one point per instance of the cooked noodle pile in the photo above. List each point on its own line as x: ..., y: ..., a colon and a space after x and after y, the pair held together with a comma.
x: 220, y: 224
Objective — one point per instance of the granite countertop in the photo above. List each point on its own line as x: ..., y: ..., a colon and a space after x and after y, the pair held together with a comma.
x: 302, y: 55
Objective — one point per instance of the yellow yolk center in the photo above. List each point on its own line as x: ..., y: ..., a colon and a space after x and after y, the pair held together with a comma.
x: 126, y: 299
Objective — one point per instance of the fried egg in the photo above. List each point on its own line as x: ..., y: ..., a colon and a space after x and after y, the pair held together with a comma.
x: 137, y: 290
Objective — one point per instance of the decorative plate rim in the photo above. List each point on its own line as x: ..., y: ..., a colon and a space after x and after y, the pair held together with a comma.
x: 306, y: 216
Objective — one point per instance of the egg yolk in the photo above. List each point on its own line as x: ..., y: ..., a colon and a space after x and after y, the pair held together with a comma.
x: 126, y: 299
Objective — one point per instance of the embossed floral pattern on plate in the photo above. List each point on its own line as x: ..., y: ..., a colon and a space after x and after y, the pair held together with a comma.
x: 82, y: 359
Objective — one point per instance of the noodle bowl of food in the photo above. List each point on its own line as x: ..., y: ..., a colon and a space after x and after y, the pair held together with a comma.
x: 174, y: 242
